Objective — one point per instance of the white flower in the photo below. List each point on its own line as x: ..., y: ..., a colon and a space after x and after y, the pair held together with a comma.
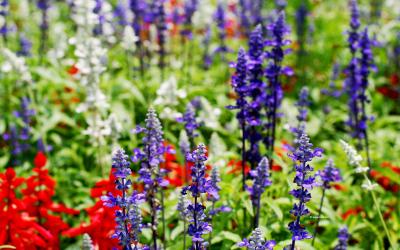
x: 129, y: 39
x: 353, y: 157
x: 17, y: 64
x: 368, y: 185
x: 168, y: 93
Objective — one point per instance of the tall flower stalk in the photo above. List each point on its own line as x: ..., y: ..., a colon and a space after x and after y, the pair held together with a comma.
x: 355, y: 160
x: 44, y: 6
x: 200, y: 185
x: 183, y: 214
x: 151, y: 156
x: 240, y: 86
x: 257, y: 241
x: 273, y: 72
x: 127, y: 215
x: 328, y: 175
x: 256, y: 88
x: 261, y: 180
x: 303, y: 154
x: 343, y: 237
x: 4, y: 12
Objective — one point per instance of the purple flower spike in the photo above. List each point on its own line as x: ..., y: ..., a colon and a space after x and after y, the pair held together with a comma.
x: 127, y: 215
x: 200, y: 185
x: 273, y: 73
x: 343, y: 237
x: 302, y: 155
x: 257, y: 241
x: 329, y: 174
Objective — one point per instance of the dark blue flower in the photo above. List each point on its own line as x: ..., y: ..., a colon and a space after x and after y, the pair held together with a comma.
x: 190, y: 122
x: 127, y: 215
x: 257, y: 241
x: 273, y: 72
x: 302, y: 155
x: 343, y: 237
x: 329, y: 174
x: 25, y: 46
x: 200, y: 185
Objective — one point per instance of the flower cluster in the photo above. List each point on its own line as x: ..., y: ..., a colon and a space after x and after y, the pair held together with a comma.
x: 343, y: 237
x: 358, y: 71
x: 127, y: 216
x: 19, y: 136
x: 17, y: 64
x: 257, y: 241
x: 213, y: 195
x: 303, y: 154
x: 220, y: 18
x: 261, y: 180
x: 239, y: 84
x: 256, y: 93
x: 189, y: 7
x: 190, y: 122
x: 200, y: 185
x: 150, y: 173
x: 329, y: 174
x: 4, y: 29
x: 273, y: 72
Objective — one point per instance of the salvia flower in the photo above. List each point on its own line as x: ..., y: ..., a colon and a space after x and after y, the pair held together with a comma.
x: 261, y: 180
x: 273, y: 72
x: 4, y: 9
x: 213, y: 194
x: 302, y: 105
x: 352, y: 81
x: 200, y: 185
x: 329, y: 174
x: 189, y: 7
x: 303, y: 154
x: 127, y: 215
x: 190, y: 122
x: 343, y: 237
x: 150, y: 173
x: 240, y: 86
x: 220, y: 18
x: 25, y: 47
x: 256, y: 88
x: 301, y: 25
x: 257, y: 241
x: 16, y: 64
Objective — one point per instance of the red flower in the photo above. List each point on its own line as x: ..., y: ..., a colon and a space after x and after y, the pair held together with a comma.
x: 40, y: 160
x: 236, y: 166
x: 17, y: 227
x: 385, y: 181
x: 40, y: 188
x: 73, y: 70
x: 102, y: 219
x: 352, y: 211
x: 389, y: 91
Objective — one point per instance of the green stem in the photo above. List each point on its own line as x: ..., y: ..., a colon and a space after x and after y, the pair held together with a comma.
x: 381, y: 216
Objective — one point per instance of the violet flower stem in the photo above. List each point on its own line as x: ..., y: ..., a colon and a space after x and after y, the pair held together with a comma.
x: 210, y: 235
x: 184, y: 234
x: 153, y: 219
x: 257, y: 214
x: 301, y: 203
x: 243, y: 158
x: 319, y: 215
x: 128, y: 247
x: 243, y: 170
x: 163, y: 217
x: 196, y: 245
